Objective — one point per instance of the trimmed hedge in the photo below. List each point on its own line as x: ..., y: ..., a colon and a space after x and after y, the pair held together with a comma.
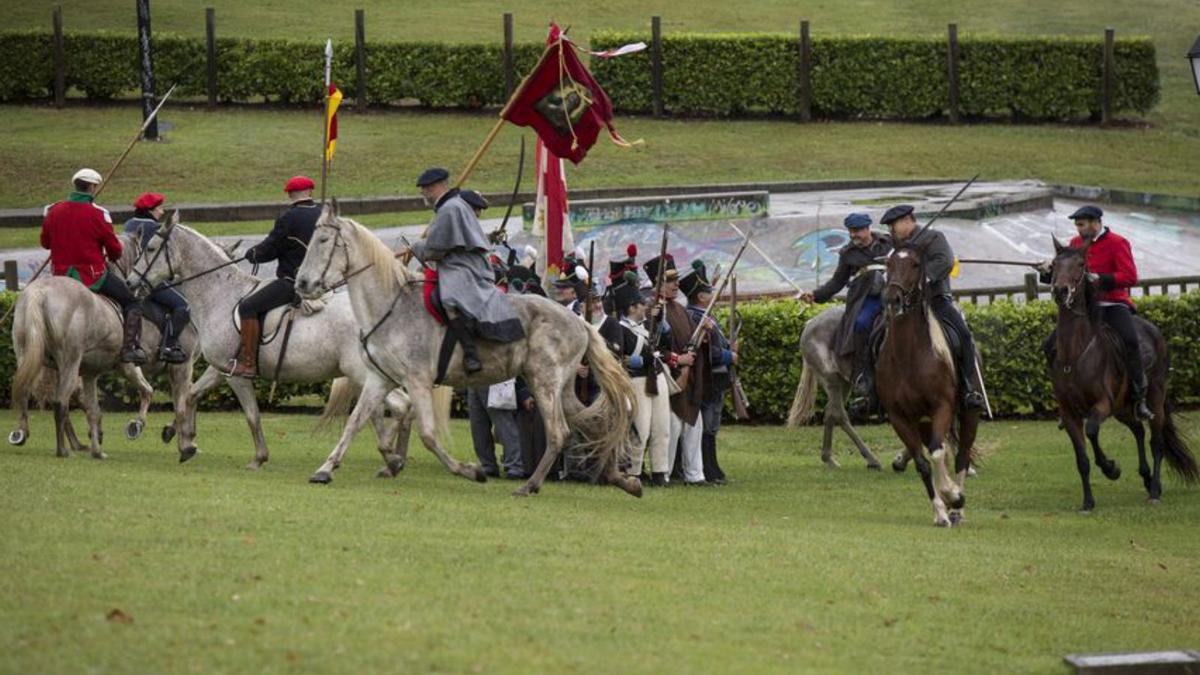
x: 723, y: 75
x: 1009, y: 335
x: 877, y: 77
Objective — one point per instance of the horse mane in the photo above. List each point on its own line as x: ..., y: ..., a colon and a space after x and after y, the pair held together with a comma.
x: 937, y: 338
x: 131, y: 248
x: 384, y: 265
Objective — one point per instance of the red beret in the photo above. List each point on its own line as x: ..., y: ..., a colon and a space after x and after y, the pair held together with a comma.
x: 298, y: 183
x: 148, y: 200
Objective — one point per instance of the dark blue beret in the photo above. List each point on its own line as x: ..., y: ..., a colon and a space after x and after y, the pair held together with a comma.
x: 473, y: 198
x: 856, y: 221
x: 896, y: 213
x: 431, y: 176
x: 1088, y: 211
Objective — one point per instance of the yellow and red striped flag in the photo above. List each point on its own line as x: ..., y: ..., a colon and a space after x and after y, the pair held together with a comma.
x: 331, y: 126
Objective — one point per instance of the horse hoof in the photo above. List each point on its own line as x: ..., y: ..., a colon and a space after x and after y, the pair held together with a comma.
x: 899, y: 466
x: 522, y: 491
x: 941, y: 522
x: 395, y: 467
x: 168, y: 433
x: 831, y: 463
x: 956, y: 518
x: 971, y: 472
x: 384, y: 473
x: 99, y: 455
x: 321, y: 478
x: 254, y: 465
x: 17, y: 437
x: 1112, y: 471
x: 187, y: 453
x: 874, y: 466
x: 480, y: 476
x: 632, y: 486
x: 958, y: 502
x: 1153, y: 501
x: 133, y: 430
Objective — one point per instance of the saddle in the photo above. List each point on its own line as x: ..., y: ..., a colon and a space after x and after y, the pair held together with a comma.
x: 271, y: 322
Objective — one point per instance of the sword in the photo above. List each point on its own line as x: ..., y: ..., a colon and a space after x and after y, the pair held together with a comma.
x: 983, y: 387
x: 770, y: 263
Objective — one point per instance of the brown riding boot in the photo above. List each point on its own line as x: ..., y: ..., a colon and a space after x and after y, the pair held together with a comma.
x: 131, y: 348
x: 246, y: 364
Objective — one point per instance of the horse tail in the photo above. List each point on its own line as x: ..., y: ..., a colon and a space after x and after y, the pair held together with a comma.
x: 805, y: 399
x: 612, y: 414
x: 1175, y: 445
x: 341, y: 394
x: 29, y: 338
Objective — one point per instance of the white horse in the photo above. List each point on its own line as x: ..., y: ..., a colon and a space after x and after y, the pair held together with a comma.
x: 402, y: 341
x: 71, y: 336
x: 821, y: 362
x: 321, y: 347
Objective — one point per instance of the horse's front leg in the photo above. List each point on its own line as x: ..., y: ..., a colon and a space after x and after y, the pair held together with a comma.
x: 939, y: 431
x: 1091, y: 427
x: 1074, y: 428
x: 180, y: 377
x: 369, y: 399
x: 244, y: 390
x: 910, y: 435
x: 393, y: 433
x: 1138, y: 430
x: 210, y: 378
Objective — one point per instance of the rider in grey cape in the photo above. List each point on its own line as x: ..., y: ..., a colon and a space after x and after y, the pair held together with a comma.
x: 466, y: 285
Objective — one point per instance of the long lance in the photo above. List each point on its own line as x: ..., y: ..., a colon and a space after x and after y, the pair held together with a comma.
x: 945, y: 206
x: 500, y: 234
x: 1015, y: 263
x: 104, y: 181
x: 771, y: 263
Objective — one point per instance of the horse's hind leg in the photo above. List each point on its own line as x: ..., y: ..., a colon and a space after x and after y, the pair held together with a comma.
x: 68, y: 371
x: 556, y: 435
x: 1074, y: 428
x: 91, y: 406
x: 837, y: 410
x: 827, y: 439
x: 1091, y: 427
x: 244, y: 390
x: 1156, y: 450
x: 145, y: 391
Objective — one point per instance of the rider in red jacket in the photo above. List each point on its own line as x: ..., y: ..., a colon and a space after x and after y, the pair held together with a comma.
x: 80, y: 238
x: 1112, y: 270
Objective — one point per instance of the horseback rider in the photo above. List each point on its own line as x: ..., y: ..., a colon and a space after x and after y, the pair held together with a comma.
x: 861, y: 268
x: 1112, y: 270
x: 938, y: 260
x: 147, y: 216
x: 286, y: 243
x: 466, y: 283
x: 80, y: 237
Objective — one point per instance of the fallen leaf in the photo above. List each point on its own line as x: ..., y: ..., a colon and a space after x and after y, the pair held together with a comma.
x: 889, y: 622
x: 1163, y: 566
x: 118, y: 616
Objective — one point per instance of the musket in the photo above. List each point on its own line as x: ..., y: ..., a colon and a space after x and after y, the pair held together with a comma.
x: 104, y: 181
x: 657, y: 319
x: 685, y: 372
x: 500, y: 234
x: 741, y: 404
x: 581, y: 385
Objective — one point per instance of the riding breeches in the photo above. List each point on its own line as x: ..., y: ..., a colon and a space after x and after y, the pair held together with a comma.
x: 175, y: 306
x: 1120, y: 319
x: 867, y: 312
x: 113, y: 286
x: 275, y: 293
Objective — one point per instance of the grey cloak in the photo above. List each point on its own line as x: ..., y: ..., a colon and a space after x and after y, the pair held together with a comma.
x: 466, y: 284
x: 860, y: 270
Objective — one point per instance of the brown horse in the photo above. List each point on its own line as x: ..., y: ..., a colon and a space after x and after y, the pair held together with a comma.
x: 917, y: 385
x: 1090, y: 381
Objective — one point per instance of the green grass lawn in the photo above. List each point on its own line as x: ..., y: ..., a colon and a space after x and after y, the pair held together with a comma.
x: 791, y: 567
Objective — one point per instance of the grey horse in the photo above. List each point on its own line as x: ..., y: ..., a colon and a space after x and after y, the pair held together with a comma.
x: 67, y: 334
x: 402, y: 341
x: 322, y: 347
x: 821, y: 363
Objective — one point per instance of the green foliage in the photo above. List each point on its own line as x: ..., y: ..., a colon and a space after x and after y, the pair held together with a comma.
x: 728, y: 75
x: 1009, y: 336
x: 725, y: 75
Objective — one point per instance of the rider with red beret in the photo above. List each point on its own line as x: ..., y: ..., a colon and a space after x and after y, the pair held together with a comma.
x: 80, y: 238
x: 286, y: 244
x: 148, y: 211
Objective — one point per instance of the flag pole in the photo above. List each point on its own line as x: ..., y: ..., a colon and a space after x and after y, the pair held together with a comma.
x: 325, y: 118
x: 487, y: 141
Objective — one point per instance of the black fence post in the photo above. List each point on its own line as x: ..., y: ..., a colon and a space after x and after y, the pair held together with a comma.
x: 804, y: 75
x: 510, y: 74
x: 210, y: 43
x: 360, y: 61
x: 60, y: 60
x: 952, y: 72
x: 12, y: 281
x: 1031, y: 286
x: 146, y: 57
x: 1107, y: 92
x: 656, y: 84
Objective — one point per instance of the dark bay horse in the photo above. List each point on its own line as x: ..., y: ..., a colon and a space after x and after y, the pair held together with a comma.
x: 1091, y: 385
x: 917, y: 384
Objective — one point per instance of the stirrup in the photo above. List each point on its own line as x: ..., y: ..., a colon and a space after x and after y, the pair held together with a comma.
x: 237, y: 369
x: 172, y: 354
x: 133, y: 354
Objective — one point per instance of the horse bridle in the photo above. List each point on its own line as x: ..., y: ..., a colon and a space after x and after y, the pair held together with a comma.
x: 910, y: 296
x: 1072, y: 290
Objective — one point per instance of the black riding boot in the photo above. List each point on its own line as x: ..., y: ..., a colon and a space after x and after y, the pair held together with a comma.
x: 471, y: 362
x: 131, y: 349
x: 170, y: 351
x: 866, y: 400
x: 972, y: 395
x: 1138, y: 385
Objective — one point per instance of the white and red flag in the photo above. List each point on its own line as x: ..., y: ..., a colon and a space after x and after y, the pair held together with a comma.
x: 551, y: 219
